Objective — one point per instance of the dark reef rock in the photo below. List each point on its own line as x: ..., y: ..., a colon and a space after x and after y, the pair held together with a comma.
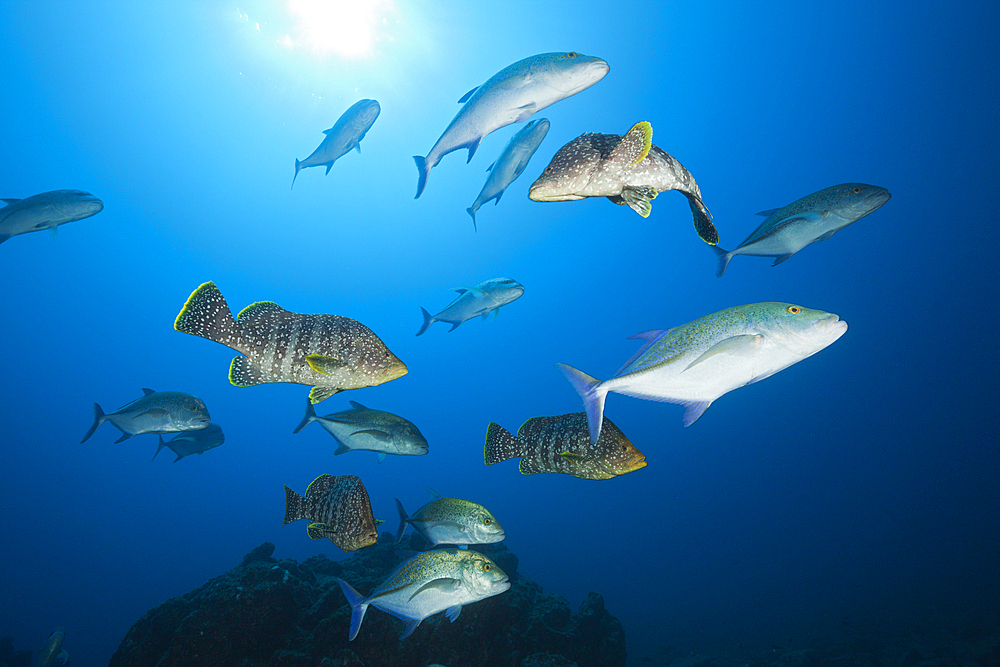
x: 11, y: 658
x: 288, y: 614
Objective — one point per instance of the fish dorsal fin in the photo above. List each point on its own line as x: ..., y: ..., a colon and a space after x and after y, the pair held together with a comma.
x: 490, y: 168
x: 741, y: 345
x: 443, y: 585
x: 651, y: 336
x: 769, y: 212
x: 320, y: 485
x: 146, y: 391
x: 465, y: 98
x: 533, y: 426
x: 327, y: 132
x: 357, y: 406
x: 260, y: 313
x: 634, y: 146
x: 10, y: 201
x: 434, y: 494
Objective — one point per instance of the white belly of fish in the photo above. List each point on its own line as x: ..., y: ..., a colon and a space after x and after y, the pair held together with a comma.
x: 426, y: 603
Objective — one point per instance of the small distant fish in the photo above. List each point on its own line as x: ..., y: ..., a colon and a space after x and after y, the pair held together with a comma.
x: 483, y: 299
x: 562, y: 444
x: 451, y: 521
x: 628, y: 170
x: 429, y: 582
x: 329, y: 352
x: 155, y: 412
x: 47, y: 210
x: 345, y: 134
x: 193, y: 442
x: 370, y: 430
x: 512, y: 95
x: 698, y: 362
x: 511, y: 163
x: 52, y: 653
x: 338, y: 508
x: 815, y: 217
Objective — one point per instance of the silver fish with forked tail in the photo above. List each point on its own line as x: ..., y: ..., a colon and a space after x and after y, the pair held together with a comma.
x: 345, y: 134
x: 483, y: 299
x: 628, y: 170
x: 47, y: 210
x: 512, y: 95
x: 451, y: 521
x: 193, y: 442
x: 815, y: 217
x: 362, y: 428
x: 154, y: 412
x: 328, y: 352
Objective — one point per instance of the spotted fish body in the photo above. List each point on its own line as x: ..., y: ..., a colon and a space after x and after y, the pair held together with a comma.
x: 815, y: 217
x: 427, y: 583
x: 628, y: 170
x: 511, y: 163
x: 328, y: 352
x: 451, y: 521
x: 362, y: 428
x: 47, y: 210
x: 346, y: 134
x: 512, y: 95
x: 697, y: 362
x: 338, y: 508
x: 562, y: 444
x: 155, y: 412
x: 483, y: 299
x: 193, y: 442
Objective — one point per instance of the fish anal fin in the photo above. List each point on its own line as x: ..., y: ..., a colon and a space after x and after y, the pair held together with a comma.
x: 694, y: 410
x: 736, y: 345
x: 781, y: 258
x: 530, y: 467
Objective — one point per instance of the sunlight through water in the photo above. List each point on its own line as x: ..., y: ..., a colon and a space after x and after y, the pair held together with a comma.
x: 349, y: 28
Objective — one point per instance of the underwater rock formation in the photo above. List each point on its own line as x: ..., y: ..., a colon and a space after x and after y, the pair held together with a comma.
x: 279, y: 612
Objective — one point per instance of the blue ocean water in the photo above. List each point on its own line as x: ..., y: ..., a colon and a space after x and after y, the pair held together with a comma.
x: 859, y: 484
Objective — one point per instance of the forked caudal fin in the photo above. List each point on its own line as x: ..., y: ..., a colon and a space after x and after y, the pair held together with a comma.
x: 723, y: 257
x: 358, y: 607
x: 593, y: 395
x: 402, y: 521
x: 310, y: 417
x: 423, y: 171
x: 99, y: 418
x: 428, y: 320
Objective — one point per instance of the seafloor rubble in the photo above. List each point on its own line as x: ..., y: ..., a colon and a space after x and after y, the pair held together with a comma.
x: 282, y: 613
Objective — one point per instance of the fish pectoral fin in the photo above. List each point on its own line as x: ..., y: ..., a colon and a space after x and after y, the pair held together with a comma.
x: 151, y: 412
x: 324, y: 364
x: 317, y: 394
x: 465, y: 98
x: 381, y: 436
x: 442, y: 585
x: 634, y: 146
x: 318, y: 531
x: 737, y: 345
x: 525, y: 112
x: 474, y: 291
x: 453, y: 612
x: 575, y: 459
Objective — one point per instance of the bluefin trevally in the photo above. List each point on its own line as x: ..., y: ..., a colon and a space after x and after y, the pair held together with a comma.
x: 451, y: 521
x: 193, y: 442
x: 426, y: 583
x: 697, y: 362
x: 338, y: 508
x: 329, y: 352
x: 362, y: 428
x: 52, y: 653
x: 47, y: 210
x: 562, y: 444
x: 628, y: 170
x: 483, y: 299
x: 815, y: 217
x: 511, y: 163
x: 154, y: 412
x: 346, y: 134
x: 512, y: 95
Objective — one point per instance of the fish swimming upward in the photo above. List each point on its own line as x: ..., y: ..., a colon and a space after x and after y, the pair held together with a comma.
x: 562, y: 444
x: 483, y: 299
x: 451, y: 521
x: 338, y: 508
x: 47, y: 210
x: 815, y: 217
x: 628, y: 170
x: 155, y: 412
x: 511, y: 163
x: 429, y: 582
x: 345, y: 134
x: 512, y: 95
x: 362, y: 428
x: 697, y: 362
x: 52, y: 654
x: 193, y: 442
x: 329, y: 352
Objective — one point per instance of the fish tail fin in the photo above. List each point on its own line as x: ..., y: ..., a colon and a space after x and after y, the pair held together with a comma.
x: 724, y: 257
x: 206, y: 314
x: 295, y: 506
x: 472, y: 211
x: 310, y: 417
x: 358, y: 607
x: 298, y: 168
x: 402, y: 521
x: 593, y: 395
x: 501, y: 445
x: 703, y: 220
x: 99, y: 418
x: 428, y: 320
x: 163, y: 443
x: 423, y: 170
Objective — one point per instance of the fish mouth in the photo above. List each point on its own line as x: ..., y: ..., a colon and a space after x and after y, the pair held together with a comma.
x: 831, y: 325
x: 535, y: 194
x: 877, y: 199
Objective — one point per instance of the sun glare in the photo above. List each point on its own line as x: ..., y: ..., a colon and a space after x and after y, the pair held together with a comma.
x: 346, y: 27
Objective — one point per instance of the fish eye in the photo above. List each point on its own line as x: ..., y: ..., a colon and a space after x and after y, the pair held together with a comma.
x: 794, y: 310
x: 487, y: 521
x: 856, y: 190
x: 548, y: 170
x: 571, y: 54
x: 487, y: 567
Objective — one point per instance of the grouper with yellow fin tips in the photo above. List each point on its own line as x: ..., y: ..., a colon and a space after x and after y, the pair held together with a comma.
x: 329, y: 352
x: 628, y: 170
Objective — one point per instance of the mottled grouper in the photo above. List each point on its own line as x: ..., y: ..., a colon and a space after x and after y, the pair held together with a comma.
x: 815, y: 217
x: 338, y: 508
x: 47, y: 210
x: 483, y: 299
x: 512, y: 95
x: 429, y: 582
x: 154, y: 412
x: 451, y: 521
x: 628, y: 170
x: 329, y: 352
x: 193, y: 442
x: 345, y: 134
x: 562, y: 444
x: 697, y: 362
